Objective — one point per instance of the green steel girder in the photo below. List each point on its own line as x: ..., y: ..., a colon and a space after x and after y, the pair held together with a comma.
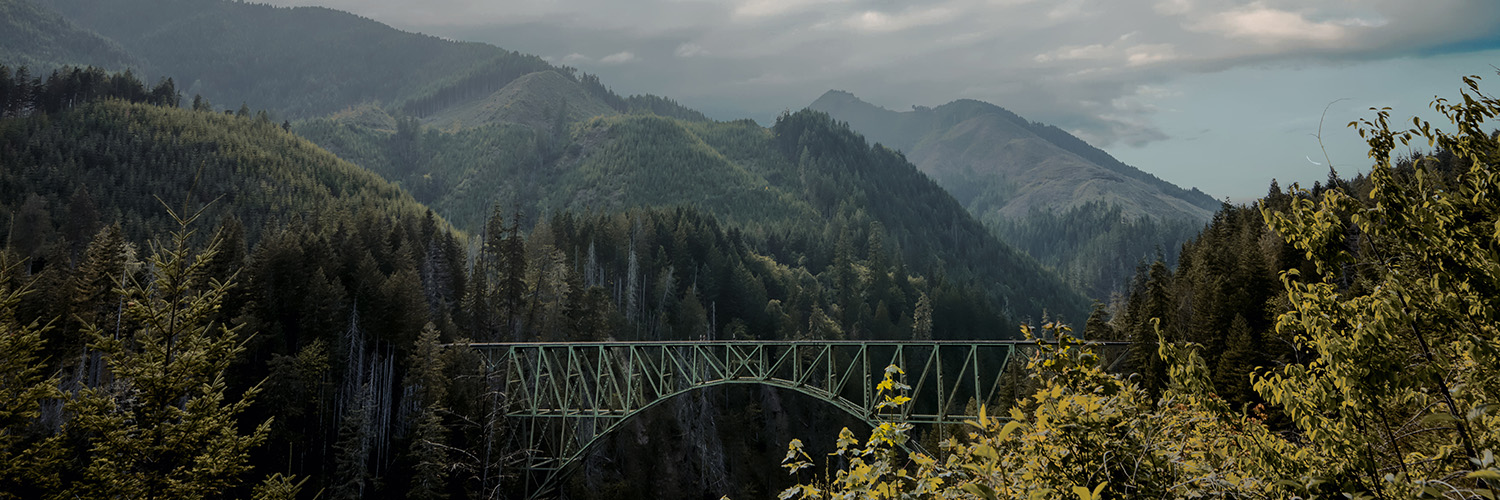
x: 565, y: 396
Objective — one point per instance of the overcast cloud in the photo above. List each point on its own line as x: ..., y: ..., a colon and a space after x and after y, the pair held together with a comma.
x: 1116, y: 72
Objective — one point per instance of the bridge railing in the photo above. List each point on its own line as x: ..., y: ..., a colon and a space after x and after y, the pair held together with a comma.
x: 565, y: 396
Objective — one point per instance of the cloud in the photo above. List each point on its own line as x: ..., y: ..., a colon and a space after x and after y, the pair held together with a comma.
x: 618, y: 58
x: 876, y: 21
x: 1065, y: 62
x: 1267, y: 25
x: 752, y: 9
x: 1122, y: 49
x: 690, y: 50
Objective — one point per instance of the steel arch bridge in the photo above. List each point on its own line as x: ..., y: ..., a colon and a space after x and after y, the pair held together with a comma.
x: 565, y: 396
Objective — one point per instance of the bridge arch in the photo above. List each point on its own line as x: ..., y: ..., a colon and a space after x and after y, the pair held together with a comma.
x: 563, y: 397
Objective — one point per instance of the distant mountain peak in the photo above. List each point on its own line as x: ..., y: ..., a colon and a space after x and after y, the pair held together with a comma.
x: 839, y: 94
x: 845, y: 100
x: 1009, y: 171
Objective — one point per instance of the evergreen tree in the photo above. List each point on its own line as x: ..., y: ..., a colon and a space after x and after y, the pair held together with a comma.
x: 30, y: 457
x: 1232, y: 375
x: 160, y: 427
x: 427, y: 383
x: 429, y: 450
x: 922, y: 319
x: 1098, y: 327
x: 512, y: 279
x: 351, y: 467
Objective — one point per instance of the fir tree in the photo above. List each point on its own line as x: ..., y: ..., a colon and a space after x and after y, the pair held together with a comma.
x: 29, y: 458
x: 922, y: 319
x: 429, y: 450
x: 161, y: 426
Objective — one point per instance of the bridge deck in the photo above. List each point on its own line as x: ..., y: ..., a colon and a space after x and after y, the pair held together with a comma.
x: 567, y: 395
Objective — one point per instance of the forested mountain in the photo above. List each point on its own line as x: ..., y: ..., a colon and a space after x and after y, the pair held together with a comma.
x: 332, y: 288
x: 1225, y: 292
x: 42, y: 40
x: 968, y: 141
x: 543, y: 99
x: 480, y: 126
x: 296, y: 62
x: 311, y: 61
x: 1369, y: 371
x: 804, y: 179
x: 81, y: 158
x: 1070, y: 205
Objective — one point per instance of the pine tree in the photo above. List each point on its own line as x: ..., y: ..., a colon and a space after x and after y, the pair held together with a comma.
x: 429, y: 449
x: 1232, y: 376
x: 351, y: 473
x: 29, y: 459
x: 426, y: 382
x: 102, y: 268
x: 511, y: 283
x: 921, y: 328
x: 161, y: 427
x: 1098, y: 327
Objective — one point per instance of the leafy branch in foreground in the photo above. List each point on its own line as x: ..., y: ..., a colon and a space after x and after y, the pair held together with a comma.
x: 1085, y: 432
x: 1398, y: 401
x: 1402, y: 314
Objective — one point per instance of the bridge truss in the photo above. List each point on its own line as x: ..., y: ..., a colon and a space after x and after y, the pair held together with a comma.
x: 564, y: 397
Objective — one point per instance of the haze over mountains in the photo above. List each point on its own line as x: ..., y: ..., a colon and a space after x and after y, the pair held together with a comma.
x: 496, y: 128
x: 1070, y: 205
x: 508, y: 133
x: 1001, y: 165
x: 371, y: 201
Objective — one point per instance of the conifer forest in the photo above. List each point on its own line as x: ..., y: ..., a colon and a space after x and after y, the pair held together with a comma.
x: 243, y: 257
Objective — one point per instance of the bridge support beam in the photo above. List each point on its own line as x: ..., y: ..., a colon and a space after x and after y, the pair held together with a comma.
x: 563, y: 397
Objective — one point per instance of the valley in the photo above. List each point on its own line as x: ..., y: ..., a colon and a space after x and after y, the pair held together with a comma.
x: 250, y: 251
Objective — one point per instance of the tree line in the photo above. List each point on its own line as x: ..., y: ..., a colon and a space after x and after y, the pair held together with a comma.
x: 1369, y: 371
x: 22, y: 94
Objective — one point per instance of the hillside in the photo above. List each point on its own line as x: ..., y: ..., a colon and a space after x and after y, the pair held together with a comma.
x: 41, y: 40
x: 1010, y: 165
x: 311, y: 61
x: 503, y: 131
x: 543, y: 99
x: 73, y: 170
x: 1068, y: 204
x: 807, y: 180
x: 232, y: 52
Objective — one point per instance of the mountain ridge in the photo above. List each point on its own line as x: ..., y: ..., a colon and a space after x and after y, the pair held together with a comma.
x: 1069, y: 205
x: 43, y: 40
x: 916, y: 132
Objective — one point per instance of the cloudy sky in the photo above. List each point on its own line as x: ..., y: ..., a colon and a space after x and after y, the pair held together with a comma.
x: 1219, y: 94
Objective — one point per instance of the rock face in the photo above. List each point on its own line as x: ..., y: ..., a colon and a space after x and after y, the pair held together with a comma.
x: 1001, y: 166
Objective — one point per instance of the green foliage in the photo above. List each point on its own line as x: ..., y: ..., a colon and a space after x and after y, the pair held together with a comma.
x: 1084, y: 432
x: 32, y: 35
x: 808, y: 179
x: 1396, y: 316
x: 161, y: 426
x: 1401, y: 312
x: 1225, y: 276
x: 103, y: 148
x: 30, y: 457
x: 278, y: 487
x: 1094, y: 246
